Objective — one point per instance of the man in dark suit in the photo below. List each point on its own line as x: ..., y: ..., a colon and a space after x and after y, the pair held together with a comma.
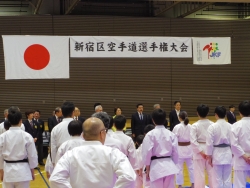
x: 231, y: 117
x: 173, y: 115
x: 54, y: 120
x: 139, y: 120
x: 39, y: 142
x: 32, y: 127
x: 77, y: 116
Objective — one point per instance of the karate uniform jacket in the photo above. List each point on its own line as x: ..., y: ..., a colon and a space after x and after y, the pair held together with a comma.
x: 199, y: 136
x: 219, y: 133
x: 160, y: 142
x: 93, y: 165
x: 15, y: 144
x: 182, y: 132
x: 129, y: 147
x: 74, y: 141
x: 240, y: 143
x: 2, y: 129
x: 114, y: 143
x: 59, y: 135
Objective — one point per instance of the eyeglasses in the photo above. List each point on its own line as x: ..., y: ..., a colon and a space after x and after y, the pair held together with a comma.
x: 105, y: 129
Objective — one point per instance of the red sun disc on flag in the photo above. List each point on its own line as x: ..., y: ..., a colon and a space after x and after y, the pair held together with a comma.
x: 36, y: 56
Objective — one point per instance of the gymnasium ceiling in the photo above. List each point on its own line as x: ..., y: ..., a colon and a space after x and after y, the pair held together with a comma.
x: 225, y: 9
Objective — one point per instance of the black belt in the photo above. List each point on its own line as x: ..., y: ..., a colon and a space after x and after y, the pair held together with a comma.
x: 222, y: 145
x: 155, y: 157
x: 18, y: 161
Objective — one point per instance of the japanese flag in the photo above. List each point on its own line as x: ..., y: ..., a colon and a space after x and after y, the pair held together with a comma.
x: 36, y: 57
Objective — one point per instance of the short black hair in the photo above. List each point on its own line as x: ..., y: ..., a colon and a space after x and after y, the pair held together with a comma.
x: 14, y: 116
x: 140, y: 104
x: 220, y: 111
x: 38, y: 111
x: 159, y: 116
x: 97, y: 104
x: 244, y: 108
x: 202, y: 110
x: 111, y: 122
x: 231, y: 106
x: 75, y: 128
x: 139, y: 139
x: 120, y: 122
x: 148, y: 128
x: 175, y: 102
x: 104, y: 117
x: 6, y: 124
x: 68, y: 109
x: 28, y: 112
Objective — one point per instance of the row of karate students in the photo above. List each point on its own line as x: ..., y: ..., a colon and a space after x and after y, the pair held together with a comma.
x: 203, y: 146
x: 160, y: 153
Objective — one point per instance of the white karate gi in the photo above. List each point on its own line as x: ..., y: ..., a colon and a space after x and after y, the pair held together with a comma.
x: 129, y: 147
x: 240, y: 145
x: 182, y: 132
x: 219, y: 133
x: 161, y: 142
x: 59, y: 135
x: 48, y: 165
x: 111, y: 132
x: 198, y: 144
x: 16, y: 144
x: 2, y: 129
x: 139, y: 179
x: 113, y: 142
x: 93, y: 165
x: 74, y: 141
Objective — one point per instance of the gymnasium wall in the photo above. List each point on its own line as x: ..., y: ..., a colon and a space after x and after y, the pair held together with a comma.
x: 124, y: 82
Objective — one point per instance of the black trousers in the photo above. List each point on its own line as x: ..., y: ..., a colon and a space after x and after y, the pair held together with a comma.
x: 39, y: 148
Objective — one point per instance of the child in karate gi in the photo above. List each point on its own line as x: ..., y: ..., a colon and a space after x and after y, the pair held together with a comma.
x: 17, y: 153
x: 75, y: 132
x: 218, y: 150
x: 198, y: 143
x: 240, y: 145
x: 182, y: 131
x: 160, y: 153
x: 139, y: 179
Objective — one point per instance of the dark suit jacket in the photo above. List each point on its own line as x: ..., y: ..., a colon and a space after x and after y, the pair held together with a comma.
x: 52, y: 122
x: 81, y: 119
x: 231, y: 119
x: 173, y: 119
x: 41, y: 128
x: 138, y: 125
x: 34, y: 132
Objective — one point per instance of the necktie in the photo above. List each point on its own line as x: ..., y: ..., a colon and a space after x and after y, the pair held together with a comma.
x: 31, y: 124
x: 140, y: 116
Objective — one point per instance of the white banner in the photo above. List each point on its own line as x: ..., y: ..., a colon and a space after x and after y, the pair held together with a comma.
x: 212, y: 51
x: 106, y: 46
x: 36, y: 57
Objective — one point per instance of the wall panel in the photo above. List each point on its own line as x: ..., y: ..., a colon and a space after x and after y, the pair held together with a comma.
x: 125, y: 82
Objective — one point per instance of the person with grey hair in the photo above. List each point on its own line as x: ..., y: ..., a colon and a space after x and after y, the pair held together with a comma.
x: 54, y: 120
x: 109, y: 141
x: 98, y: 108
x: 157, y: 106
x: 101, y: 166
